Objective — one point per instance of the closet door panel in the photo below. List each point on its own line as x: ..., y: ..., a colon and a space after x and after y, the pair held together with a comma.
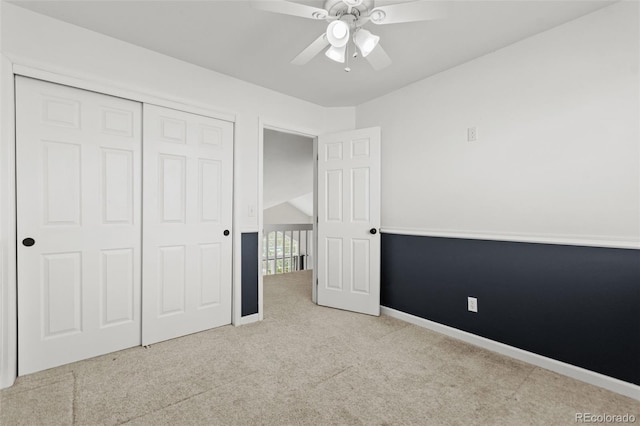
x: 78, y: 176
x: 188, y: 181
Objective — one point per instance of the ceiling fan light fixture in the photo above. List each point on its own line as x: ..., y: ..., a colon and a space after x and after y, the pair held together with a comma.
x: 365, y: 41
x: 338, y: 33
x: 377, y: 16
x: 336, y: 53
x: 320, y: 15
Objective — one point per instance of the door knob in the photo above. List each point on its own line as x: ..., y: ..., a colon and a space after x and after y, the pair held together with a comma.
x: 373, y: 231
x: 28, y: 242
x: 226, y: 232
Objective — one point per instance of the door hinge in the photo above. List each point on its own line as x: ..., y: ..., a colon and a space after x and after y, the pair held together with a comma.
x: 316, y: 282
x: 317, y: 219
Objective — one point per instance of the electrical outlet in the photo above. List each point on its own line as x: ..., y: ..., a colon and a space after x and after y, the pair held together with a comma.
x: 472, y: 304
x: 472, y: 134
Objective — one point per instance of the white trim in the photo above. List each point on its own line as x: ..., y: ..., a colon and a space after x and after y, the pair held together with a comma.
x: 259, y: 208
x: 287, y: 227
x: 249, y: 319
x: 236, y: 299
x: 307, y: 133
x: 236, y: 290
x: 250, y: 230
x: 96, y: 84
x: 314, y: 273
x: 572, y: 240
x: 618, y: 386
x: 8, y: 296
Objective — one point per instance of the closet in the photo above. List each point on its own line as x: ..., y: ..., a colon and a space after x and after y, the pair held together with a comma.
x: 124, y: 215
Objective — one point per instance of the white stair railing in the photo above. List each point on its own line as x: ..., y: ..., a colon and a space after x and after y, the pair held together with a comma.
x: 287, y: 248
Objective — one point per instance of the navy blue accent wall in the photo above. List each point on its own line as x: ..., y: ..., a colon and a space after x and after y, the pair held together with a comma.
x: 579, y: 305
x: 249, y: 271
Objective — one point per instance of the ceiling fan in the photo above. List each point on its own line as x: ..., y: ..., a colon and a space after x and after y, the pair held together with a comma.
x: 346, y: 20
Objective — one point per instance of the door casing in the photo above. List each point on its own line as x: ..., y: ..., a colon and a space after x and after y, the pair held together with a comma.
x: 295, y: 130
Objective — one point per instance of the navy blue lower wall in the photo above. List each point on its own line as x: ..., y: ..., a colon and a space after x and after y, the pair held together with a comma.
x: 249, y: 251
x: 579, y: 305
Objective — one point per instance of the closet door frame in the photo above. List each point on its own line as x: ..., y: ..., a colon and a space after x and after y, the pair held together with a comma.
x: 8, y: 258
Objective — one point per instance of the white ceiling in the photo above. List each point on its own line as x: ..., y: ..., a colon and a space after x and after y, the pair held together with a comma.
x: 233, y: 38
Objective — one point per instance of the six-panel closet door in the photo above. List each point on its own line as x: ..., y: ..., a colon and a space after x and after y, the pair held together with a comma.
x: 97, y: 272
x: 188, y: 173
x: 78, y: 156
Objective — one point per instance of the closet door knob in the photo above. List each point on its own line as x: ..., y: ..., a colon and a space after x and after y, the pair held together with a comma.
x: 226, y: 232
x: 373, y: 231
x: 28, y: 242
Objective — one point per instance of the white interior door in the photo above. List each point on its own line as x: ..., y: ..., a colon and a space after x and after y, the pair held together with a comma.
x: 188, y: 179
x: 348, y: 220
x: 78, y: 209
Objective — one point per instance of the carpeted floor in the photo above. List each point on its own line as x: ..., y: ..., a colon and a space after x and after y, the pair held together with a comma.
x: 305, y: 364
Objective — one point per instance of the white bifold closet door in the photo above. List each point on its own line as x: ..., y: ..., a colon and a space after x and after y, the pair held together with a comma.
x: 187, y: 218
x: 78, y: 157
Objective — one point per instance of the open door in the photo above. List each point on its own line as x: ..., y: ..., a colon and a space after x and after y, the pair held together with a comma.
x: 348, y: 253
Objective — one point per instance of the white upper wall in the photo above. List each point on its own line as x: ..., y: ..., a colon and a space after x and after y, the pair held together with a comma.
x: 304, y: 203
x: 288, y: 167
x: 42, y: 42
x: 285, y: 213
x: 557, y: 154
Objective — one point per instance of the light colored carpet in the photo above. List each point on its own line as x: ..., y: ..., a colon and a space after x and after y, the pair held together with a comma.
x: 305, y: 364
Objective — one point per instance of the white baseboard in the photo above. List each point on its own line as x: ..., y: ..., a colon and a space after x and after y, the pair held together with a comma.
x: 578, y: 373
x: 249, y: 319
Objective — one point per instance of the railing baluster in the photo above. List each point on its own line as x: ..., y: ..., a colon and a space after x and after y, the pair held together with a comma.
x: 298, y: 232
x: 306, y: 249
x: 290, y: 252
x: 272, y: 261
x: 290, y: 260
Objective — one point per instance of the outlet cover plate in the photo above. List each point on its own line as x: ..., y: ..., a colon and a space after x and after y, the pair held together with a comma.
x: 472, y: 134
x: 472, y: 304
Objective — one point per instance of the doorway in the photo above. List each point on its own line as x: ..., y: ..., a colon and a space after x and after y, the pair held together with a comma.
x: 287, y: 242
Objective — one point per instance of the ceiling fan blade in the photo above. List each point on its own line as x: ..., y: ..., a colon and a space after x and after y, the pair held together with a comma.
x: 408, y: 12
x: 289, y: 8
x: 378, y: 58
x: 312, y: 50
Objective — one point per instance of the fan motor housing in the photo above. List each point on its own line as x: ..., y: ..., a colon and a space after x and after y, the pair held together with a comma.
x: 339, y: 7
